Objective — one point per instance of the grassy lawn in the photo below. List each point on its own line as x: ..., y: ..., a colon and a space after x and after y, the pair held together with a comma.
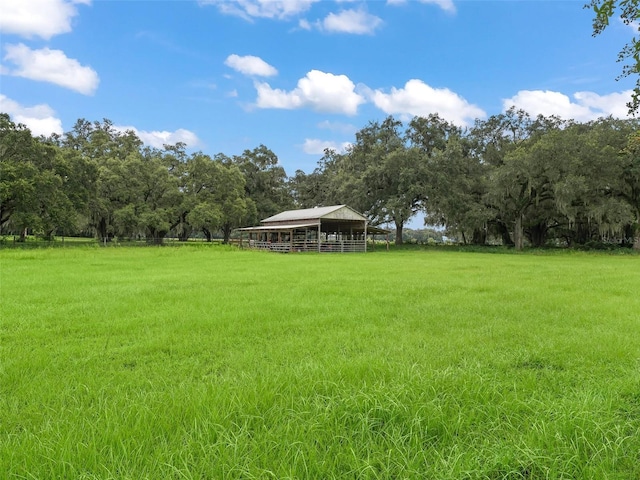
x: 206, y: 362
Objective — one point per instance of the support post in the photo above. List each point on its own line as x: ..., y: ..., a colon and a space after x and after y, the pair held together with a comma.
x: 365, y: 236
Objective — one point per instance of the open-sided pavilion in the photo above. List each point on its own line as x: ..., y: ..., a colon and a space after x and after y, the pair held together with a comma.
x: 337, y: 228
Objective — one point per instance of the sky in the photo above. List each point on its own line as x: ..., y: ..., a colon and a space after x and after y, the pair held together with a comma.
x: 300, y: 76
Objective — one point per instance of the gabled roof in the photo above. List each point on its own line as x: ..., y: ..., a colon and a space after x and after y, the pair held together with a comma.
x: 312, y: 217
x: 337, y: 212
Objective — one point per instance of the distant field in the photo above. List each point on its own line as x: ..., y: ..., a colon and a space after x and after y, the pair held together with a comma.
x: 203, y: 362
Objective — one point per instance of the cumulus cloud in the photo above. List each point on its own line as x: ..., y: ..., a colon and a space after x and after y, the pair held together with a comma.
x: 357, y: 22
x: 250, y: 65
x: 40, y: 119
x: 320, y: 91
x: 38, y: 18
x: 313, y: 146
x: 249, y: 9
x: 446, y: 5
x: 585, y: 106
x: 418, y: 98
x: 158, y: 139
x: 50, y: 66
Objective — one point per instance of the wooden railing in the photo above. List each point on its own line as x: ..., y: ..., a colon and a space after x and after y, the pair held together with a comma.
x: 343, y: 246
x: 337, y: 246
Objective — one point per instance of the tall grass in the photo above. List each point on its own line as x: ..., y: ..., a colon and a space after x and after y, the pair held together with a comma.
x: 198, y: 362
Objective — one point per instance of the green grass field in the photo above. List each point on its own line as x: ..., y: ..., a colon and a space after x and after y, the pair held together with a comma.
x: 206, y: 362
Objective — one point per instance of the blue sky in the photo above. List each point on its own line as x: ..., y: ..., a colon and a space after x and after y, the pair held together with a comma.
x: 299, y: 75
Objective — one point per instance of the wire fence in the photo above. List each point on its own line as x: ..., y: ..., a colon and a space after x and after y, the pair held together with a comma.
x: 15, y: 241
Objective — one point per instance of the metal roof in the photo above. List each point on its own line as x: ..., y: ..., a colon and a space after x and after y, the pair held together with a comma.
x: 308, y: 214
x: 264, y: 228
x: 377, y: 230
x: 279, y: 228
x: 311, y: 217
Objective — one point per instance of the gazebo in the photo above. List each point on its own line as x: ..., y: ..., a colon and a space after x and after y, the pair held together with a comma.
x: 337, y: 229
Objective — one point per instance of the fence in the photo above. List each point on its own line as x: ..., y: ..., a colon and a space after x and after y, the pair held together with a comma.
x: 335, y: 246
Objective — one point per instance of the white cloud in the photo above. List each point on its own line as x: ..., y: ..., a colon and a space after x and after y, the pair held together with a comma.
x: 418, y: 98
x: 634, y: 26
x: 587, y: 105
x: 358, y: 22
x: 339, y: 127
x: 320, y: 91
x: 614, y: 104
x: 304, y: 24
x: 158, y: 139
x: 313, y: 146
x: 40, y: 119
x: 446, y: 5
x: 250, y: 65
x: 50, y: 66
x: 249, y: 9
x: 37, y: 18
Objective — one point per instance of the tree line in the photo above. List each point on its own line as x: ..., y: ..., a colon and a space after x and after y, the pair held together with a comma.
x: 509, y: 179
x: 97, y: 180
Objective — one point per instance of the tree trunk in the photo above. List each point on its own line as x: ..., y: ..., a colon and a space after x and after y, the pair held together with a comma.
x: 569, y: 240
x: 479, y: 236
x: 182, y: 227
x: 156, y: 237
x: 207, y: 234
x: 226, y: 232
x: 628, y: 239
x: 101, y: 231
x: 504, y: 234
x: 538, y: 234
x: 399, y: 227
x: 518, y: 233
x: 582, y: 233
